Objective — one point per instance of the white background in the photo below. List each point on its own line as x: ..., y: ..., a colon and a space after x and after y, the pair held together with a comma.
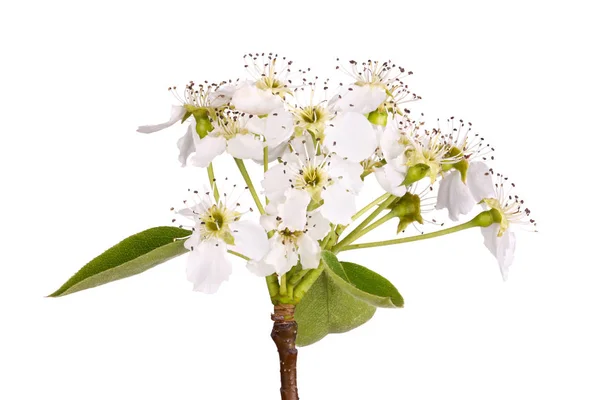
x: 78, y: 77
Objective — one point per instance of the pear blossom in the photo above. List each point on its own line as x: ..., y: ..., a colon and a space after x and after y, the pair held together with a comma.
x: 460, y: 197
x: 265, y: 94
x: 217, y: 228
x: 394, y: 143
x: 196, y: 101
x: 327, y: 179
x: 295, y: 238
x: 233, y: 133
x: 277, y: 127
x: 471, y: 181
x: 311, y: 111
x: 508, y: 211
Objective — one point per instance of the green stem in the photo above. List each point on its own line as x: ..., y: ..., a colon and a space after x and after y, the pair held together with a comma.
x: 283, y: 285
x: 235, y: 253
x: 369, y: 206
x: 244, y: 172
x: 266, y: 165
x: 471, y: 224
x: 374, y: 225
x: 327, y: 239
x: 302, y: 288
x: 213, y: 181
x: 265, y: 159
x: 297, y: 277
x: 357, y: 231
x: 273, y: 286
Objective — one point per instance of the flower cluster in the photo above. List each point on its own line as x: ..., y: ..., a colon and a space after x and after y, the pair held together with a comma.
x: 318, y: 144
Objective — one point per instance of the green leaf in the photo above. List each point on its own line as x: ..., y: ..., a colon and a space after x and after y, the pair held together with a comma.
x: 132, y: 256
x: 362, y: 283
x: 326, y: 308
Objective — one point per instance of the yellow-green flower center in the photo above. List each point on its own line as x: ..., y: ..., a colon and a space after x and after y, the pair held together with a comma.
x: 215, y: 223
x: 312, y: 179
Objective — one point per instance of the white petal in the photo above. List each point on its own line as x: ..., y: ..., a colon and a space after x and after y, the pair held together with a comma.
x: 283, y: 257
x: 279, y: 126
x: 250, y: 239
x: 347, y: 172
x: 317, y: 226
x: 245, y: 146
x: 276, y: 182
x: 187, y: 145
x: 208, y: 148
x: 479, y: 181
x: 455, y: 196
x: 293, y: 210
x: 310, y: 252
x: 208, y: 266
x: 339, y: 205
x: 503, y: 247
x: 392, y: 150
x: 303, y: 151
x: 249, y: 99
x: 260, y: 268
x: 222, y: 96
x: 361, y: 99
x: 351, y: 136
x: 391, y: 180
x: 177, y: 113
x: 269, y: 222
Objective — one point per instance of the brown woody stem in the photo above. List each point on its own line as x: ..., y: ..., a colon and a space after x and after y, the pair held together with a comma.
x: 284, y: 335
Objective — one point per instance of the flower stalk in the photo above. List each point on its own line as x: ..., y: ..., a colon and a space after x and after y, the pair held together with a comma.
x: 484, y: 219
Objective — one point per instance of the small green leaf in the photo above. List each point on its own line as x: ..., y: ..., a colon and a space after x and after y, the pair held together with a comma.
x: 131, y: 256
x: 362, y: 283
x: 326, y: 308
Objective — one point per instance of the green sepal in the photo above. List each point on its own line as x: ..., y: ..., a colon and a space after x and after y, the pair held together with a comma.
x: 462, y: 166
x: 415, y: 173
x: 362, y: 283
x: 186, y: 116
x: 131, y: 256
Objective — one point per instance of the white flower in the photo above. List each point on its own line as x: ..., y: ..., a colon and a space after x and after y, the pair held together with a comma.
x: 196, y: 100
x: 177, y: 113
x: 233, y: 133
x: 311, y: 111
x: 361, y: 99
x: 351, y: 136
x: 265, y: 94
x: 509, y: 211
x: 295, y: 239
x: 277, y: 127
x: 374, y: 81
x: 393, y: 145
x: 460, y: 197
x: 216, y: 230
x: 327, y: 179
x: 250, y: 99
